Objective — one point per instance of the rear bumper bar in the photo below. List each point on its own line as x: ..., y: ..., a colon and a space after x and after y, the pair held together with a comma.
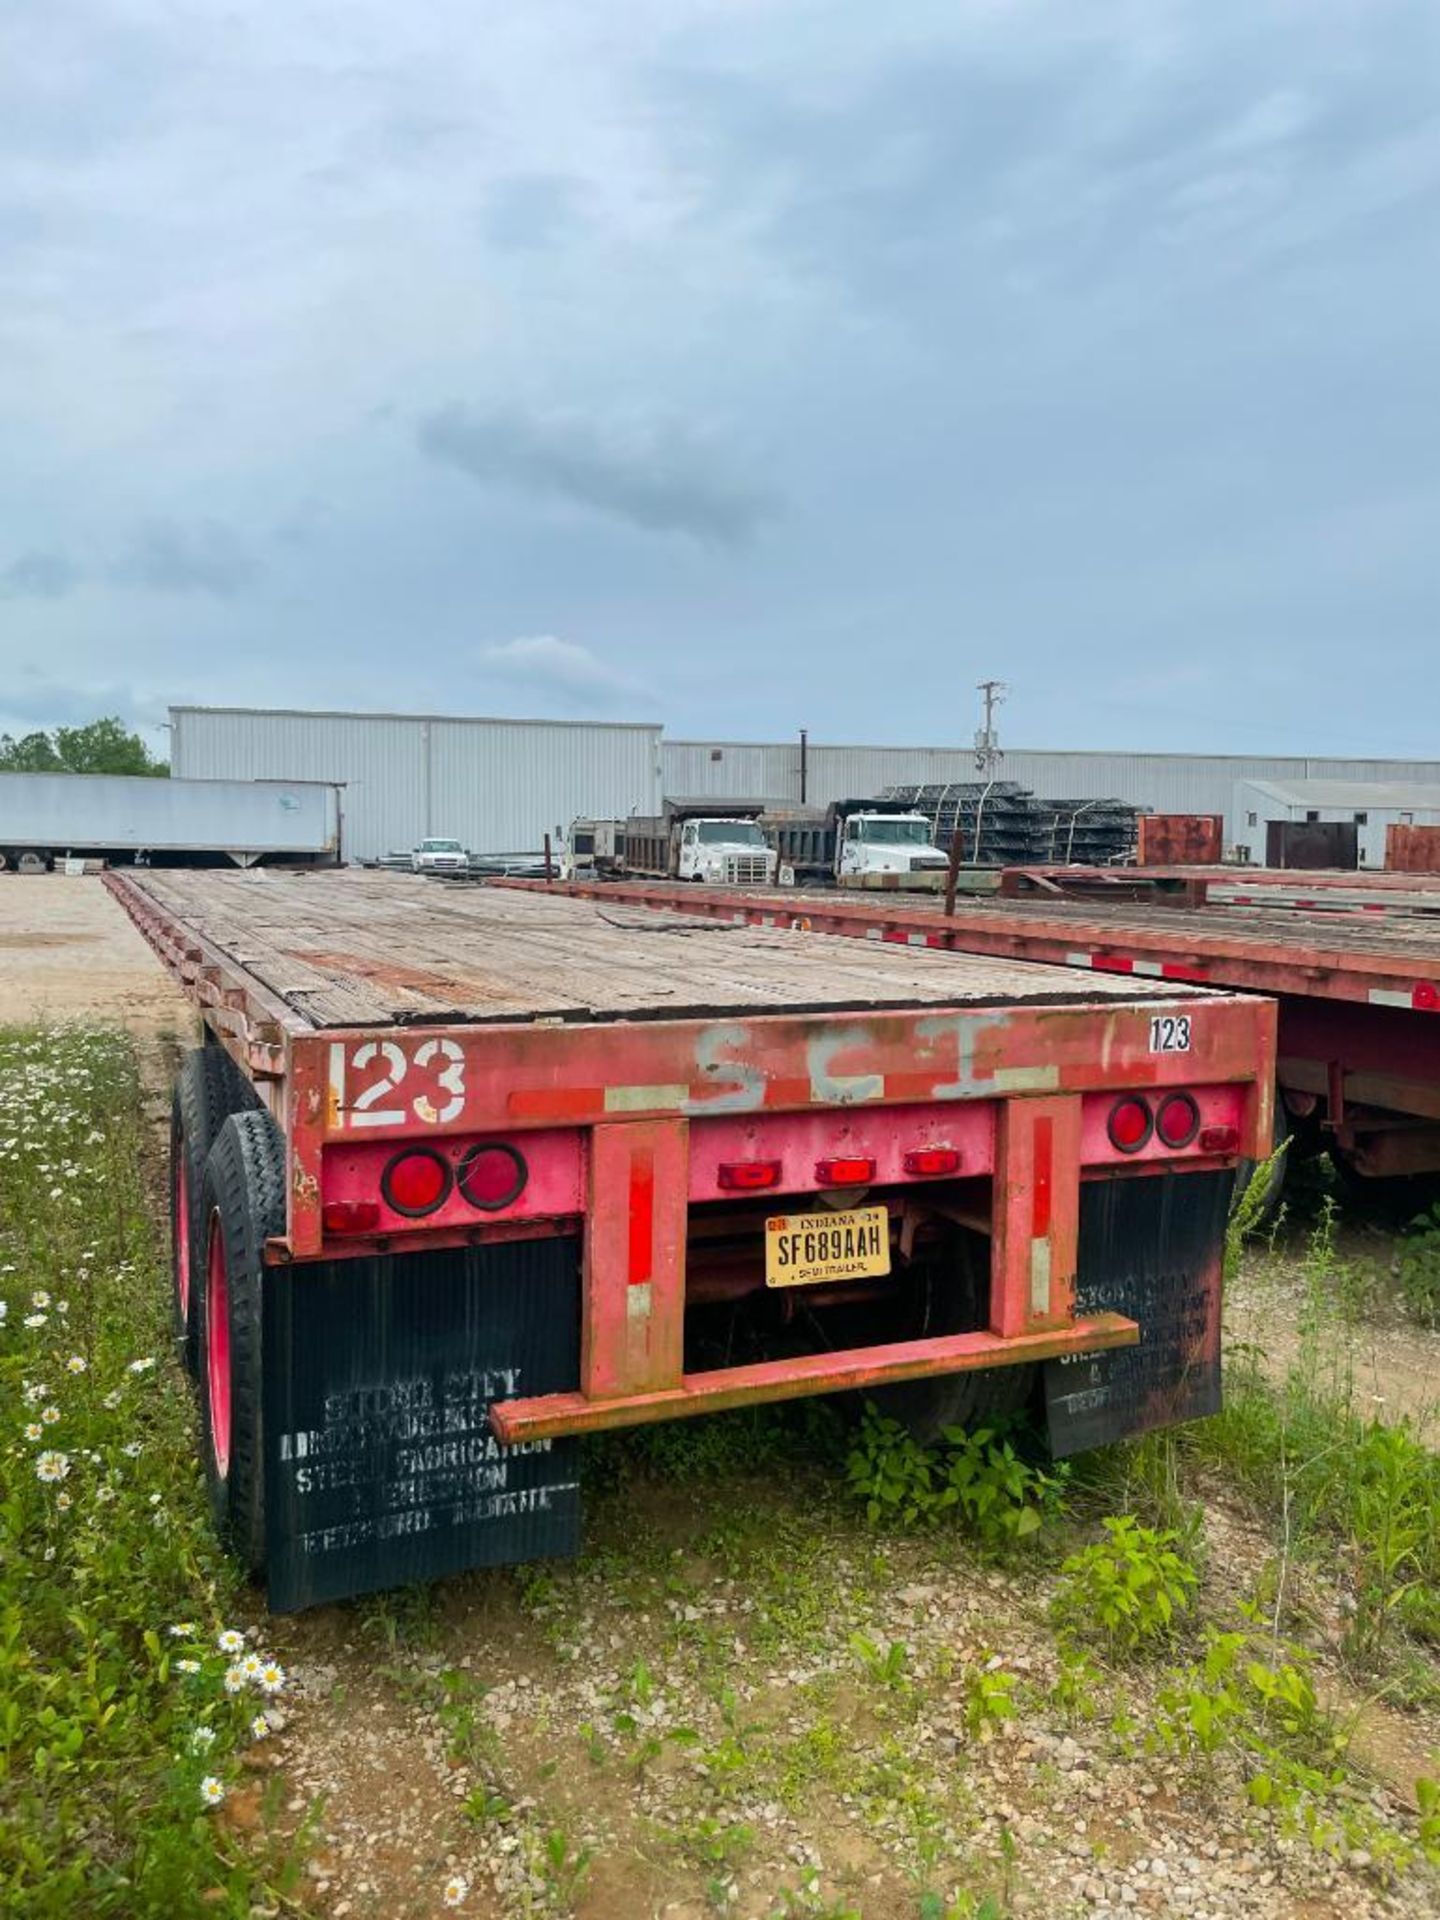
x: 550, y: 1415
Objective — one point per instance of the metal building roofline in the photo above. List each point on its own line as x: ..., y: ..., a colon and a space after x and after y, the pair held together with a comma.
x: 1047, y: 753
x: 360, y: 713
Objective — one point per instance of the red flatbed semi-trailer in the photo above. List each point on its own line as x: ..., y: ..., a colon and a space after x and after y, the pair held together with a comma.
x: 470, y: 1171
x: 1352, y: 960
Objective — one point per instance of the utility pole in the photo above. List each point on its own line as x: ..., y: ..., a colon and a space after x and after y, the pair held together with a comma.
x: 987, y: 759
x: 987, y: 740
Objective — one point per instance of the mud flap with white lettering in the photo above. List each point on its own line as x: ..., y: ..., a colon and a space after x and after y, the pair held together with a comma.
x: 1151, y: 1247
x: 380, y: 1467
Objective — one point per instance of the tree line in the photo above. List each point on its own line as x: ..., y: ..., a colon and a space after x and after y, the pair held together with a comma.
x: 104, y: 746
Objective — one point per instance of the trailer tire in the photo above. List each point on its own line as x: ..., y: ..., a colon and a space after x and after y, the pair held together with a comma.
x: 957, y: 1302
x: 1245, y: 1171
x: 243, y: 1202
x: 208, y: 1089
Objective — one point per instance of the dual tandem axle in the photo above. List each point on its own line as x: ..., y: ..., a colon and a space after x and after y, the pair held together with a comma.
x: 451, y: 1189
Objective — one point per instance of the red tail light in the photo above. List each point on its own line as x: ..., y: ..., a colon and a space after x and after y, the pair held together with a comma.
x: 493, y: 1175
x: 1219, y: 1139
x: 844, y: 1173
x: 748, y: 1176
x: 1178, y: 1120
x: 932, y: 1160
x: 1130, y: 1124
x: 416, y: 1181
x: 350, y: 1216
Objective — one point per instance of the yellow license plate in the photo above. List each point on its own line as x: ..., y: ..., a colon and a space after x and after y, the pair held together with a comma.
x: 811, y: 1249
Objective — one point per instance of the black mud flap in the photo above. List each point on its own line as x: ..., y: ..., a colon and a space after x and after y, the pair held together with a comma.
x: 380, y: 1467
x: 1151, y: 1247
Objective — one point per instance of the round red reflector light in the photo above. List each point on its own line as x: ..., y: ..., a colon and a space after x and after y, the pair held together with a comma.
x: 1130, y: 1124
x: 493, y: 1175
x: 416, y: 1181
x: 1178, y: 1120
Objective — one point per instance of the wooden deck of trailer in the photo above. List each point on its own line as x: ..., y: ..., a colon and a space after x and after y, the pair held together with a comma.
x: 365, y: 949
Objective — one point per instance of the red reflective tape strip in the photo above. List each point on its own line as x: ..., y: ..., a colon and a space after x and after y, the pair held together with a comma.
x: 642, y: 1219
x: 896, y: 936
x: 1113, y: 963
x: 1044, y: 1178
x: 1177, y: 970
x: 556, y: 1103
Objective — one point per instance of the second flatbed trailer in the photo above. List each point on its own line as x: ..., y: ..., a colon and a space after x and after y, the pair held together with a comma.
x: 1352, y: 962
x: 462, y: 1175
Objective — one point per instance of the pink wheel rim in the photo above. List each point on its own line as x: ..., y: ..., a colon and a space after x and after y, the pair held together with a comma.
x: 217, y: 1347
x: 182, y: 1236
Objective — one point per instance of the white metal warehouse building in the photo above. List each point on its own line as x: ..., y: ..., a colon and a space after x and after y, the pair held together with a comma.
x: 499, y: 785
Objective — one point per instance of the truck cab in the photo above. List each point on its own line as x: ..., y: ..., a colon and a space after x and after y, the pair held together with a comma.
x: 873, y: 846
x: 724, y: 853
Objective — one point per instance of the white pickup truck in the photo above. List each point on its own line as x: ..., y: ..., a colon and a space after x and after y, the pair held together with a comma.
x: 439, y: 856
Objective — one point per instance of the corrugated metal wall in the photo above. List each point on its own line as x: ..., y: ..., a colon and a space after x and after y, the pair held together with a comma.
x: 498, y: 785
x: 1166, y: 782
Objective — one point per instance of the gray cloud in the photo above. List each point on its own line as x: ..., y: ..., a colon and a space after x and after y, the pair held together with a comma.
x: 660, y: 479
x: 39, y: 576
x: 202, y: 556
x: 545, y: 665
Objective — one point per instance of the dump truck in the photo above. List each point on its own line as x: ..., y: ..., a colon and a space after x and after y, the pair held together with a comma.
x: 705, y: 841
x: 456, y: 1181
x: 862, y: 844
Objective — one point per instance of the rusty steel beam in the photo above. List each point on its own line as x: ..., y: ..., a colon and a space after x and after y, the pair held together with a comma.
x: 548, y: 1416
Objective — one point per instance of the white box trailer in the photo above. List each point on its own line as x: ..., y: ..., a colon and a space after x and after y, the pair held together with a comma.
x: 135, y: 819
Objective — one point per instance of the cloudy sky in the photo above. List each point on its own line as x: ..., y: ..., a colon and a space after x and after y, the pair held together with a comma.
x: 745, y: 364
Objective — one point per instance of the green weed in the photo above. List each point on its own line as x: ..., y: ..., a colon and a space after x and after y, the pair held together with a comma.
x: 1126, y: 1590
x: 978, y: 1478
x: 1419, y: 1267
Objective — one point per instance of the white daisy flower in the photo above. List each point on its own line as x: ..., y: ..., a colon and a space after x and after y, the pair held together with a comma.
x: 456, y: 1888
x: 131, y: 1450
x: 235, y: 1681
x: 104, y: 1495
x: 260, y: 1728
x: 272, y: 1676
x: 111, y: 1400
x: 35, y: 1319
x: 63, y: 1502
x: 52, y: 1466
x: 250, y: 1666
x: 231, y: 1641
x: 50, y: 1416
x: 34, y: 1430
x: 187, y: 1666
x: 77, y: 1363
x: 201, y: 1738
x: 211, y: 1791
x: 141, y: 1366
x: 182, y: 1630
x: 155, y: 1499
x: 40, y: 1298
x: 35, y: 1391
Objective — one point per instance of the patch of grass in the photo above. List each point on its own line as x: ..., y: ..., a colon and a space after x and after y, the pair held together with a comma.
x: 979, y: 1479
x: 118, y: 1738
x: 1418, y: 1268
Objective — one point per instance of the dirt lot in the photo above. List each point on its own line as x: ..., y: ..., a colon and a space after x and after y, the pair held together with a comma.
x: 743, y: 1700
x: 67, y: 952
